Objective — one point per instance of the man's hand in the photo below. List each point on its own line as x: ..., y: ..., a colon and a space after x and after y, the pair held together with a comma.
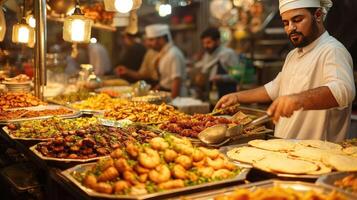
x: 227, y: 100
x: 285, y: 106
x: 121, y: 70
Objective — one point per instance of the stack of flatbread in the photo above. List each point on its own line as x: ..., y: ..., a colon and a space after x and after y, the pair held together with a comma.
x: 309, y: 157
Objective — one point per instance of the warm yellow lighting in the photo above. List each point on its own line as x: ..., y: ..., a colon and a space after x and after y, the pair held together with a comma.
x: 23, y: 33
x: 164, y: 10
x: 93, y: 40
x: 77, y: 28
x: 31, y: 21
x: 123, y: 6
x: 2, y: 25
x: 70, y: 11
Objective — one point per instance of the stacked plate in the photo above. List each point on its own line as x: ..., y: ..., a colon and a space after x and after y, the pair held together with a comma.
x: 18, y: 87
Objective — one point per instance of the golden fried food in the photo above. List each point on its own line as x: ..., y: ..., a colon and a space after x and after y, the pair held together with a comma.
x: 99, y: 102
x: 18, y: 100
x: 148, y: 172
x: 348, y: 183
x: 143, y: 112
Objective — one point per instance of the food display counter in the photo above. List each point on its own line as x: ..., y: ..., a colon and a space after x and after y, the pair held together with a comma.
x: 153, y: 152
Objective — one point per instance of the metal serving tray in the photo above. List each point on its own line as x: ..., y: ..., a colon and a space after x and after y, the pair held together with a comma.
x: 62, y: 160
x: 225, y: 149
x: 329, y: 180
x: 75, y: 114
x: 27, y: 141
x: 295, y: 185
x: 159, y: 195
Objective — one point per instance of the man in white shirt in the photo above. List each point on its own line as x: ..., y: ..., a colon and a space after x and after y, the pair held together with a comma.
x: 312, y: 95
x: 170, y: 60
x: 216, y: 61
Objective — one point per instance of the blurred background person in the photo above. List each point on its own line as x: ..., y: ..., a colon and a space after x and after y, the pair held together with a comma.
x: 170, y: 61
x: 147, y: 71
x: 132, y: 55
x: 215, y: 63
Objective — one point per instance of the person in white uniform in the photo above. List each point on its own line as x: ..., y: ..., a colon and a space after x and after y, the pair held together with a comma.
x: 170, y: 60
x: 313, y: 93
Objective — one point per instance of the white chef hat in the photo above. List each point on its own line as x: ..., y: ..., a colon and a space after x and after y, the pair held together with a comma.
x: 285, y: 5
x: 157, y: 30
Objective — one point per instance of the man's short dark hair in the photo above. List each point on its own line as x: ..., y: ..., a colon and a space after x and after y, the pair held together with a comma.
x: 212, y: 33
x: 312, y: 10
x: 165, y: 37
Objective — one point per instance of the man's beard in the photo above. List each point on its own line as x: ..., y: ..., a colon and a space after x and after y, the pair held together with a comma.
x: 305, y: 40
x: 211, y: 50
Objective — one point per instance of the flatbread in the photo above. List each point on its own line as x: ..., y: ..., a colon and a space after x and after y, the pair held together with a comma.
x: 325, y: 145
x: 285, y: 165
x: 310, y: 153
x: 273, y: 145
x: 247, y: 154
x: 323, y: 169
x: 341, y: 162
x: 350, y: 150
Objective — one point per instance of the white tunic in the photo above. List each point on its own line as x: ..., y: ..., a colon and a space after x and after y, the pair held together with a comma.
x: 325, y: 62
x: 172, y: 65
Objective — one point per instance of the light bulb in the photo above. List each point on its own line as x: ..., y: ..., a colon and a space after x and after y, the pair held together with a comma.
x: 31, y: 21
x: 23, y: 34
x: 93, y: 40
x: 77, y: 30
x: 164, y: 10
x: 123, y: 6
x: 70, y: 11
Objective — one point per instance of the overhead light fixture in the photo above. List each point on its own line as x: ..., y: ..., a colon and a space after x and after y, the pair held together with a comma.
x: 122, y: 6
x: 77, y: 28
x: 164, y: 10
x: 31, y: 21
x: 22, y: 33
x: 93, y: 40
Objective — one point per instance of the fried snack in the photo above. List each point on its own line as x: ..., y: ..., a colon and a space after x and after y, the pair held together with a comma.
x: 11, y: 114
x: 277, y: 192
x: 94, y: 141
x: 162, y: 164
x: 72, y: 97
x: 49, y: 128
x: 23, y: 113
x: 143, y: 112
x: 18, y: 100
x: 191, y: 126
x: 99, y: 102
x: 348, y: 183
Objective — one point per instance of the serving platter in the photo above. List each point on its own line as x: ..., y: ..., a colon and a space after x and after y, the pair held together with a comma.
x: 75, y: 113
x: 159, y: 195
x: 329, y: 180
x: 298, y: 186
x: 62, y: 160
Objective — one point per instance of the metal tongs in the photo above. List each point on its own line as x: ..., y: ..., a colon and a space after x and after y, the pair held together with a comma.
x: 220, y: 134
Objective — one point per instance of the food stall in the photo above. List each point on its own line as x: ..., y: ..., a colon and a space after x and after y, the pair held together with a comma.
x: 131, y: 142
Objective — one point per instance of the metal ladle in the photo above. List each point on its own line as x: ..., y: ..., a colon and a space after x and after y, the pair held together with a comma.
x: 220, y: 134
